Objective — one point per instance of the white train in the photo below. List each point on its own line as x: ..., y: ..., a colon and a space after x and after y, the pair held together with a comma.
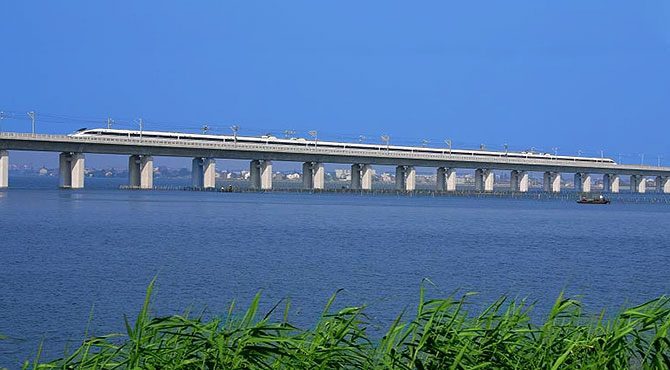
x: 269, y: 139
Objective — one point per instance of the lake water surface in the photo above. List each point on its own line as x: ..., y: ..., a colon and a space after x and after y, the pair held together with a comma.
x: 65, y: 254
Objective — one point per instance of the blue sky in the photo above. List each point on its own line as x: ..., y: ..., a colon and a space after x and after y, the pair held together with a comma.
x: 577, y: 75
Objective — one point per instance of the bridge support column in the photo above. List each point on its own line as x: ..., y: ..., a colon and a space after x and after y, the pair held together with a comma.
x: 400, y: 178
x: 410, y: 178
x: 319, y: 176
x: 611, y: 183
x: 203, y: 173
x: 266, y: 175
x: 484, y: 179
x: 582, y: 183
x: 313, y: 175
x: 518, y: 181
x: 307, y: 175
x: 71, y: 166
x: 366, y: 180
x: 405, y: 178
x: 451, y: 179
x: 441, y: 183
x: 355, y: 177
x: 209, y: 173
x: 552, y: 182
x: 663, y: 184
x: 147, y: 172
x: 141, y: 171
x: 4, y: 169
x: 479, y: 180
x: 638, y: 184
x: 255, y: 174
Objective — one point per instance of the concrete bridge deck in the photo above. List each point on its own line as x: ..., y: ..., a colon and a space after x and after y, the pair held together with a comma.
x: 261, y: 155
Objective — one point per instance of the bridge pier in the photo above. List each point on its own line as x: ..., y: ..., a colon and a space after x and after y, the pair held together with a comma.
x: 261, y: 174
x: 518, y: 181
x: 355, y: 177
x: 611, y: 183
x: 313, y: 175
x: 203, y: 173
x: 441, y: 183
x: 451, y: 179
x: 638, y: 184
x: 405, y: 178
x: 552, y: 182
x: 4, y: 169
x: 400, y: 178
x: 582, y: 182
x: 366, y: 177
x: 141, y: 171
x: 446, y: 179
x: 663, y: 184
x: 361, y: 177
x: 71, y: 169
x: 484, y: 180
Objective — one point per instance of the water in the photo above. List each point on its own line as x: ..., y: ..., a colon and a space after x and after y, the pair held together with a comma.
x: 65, y: 254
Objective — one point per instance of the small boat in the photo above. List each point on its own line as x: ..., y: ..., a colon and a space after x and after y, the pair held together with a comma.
x: 599, y: 200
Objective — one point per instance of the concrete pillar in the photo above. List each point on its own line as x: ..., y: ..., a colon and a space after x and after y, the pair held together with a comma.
x: 134, y: 171
x: 209, y: 173
x: 451, y: 179
x: 611, y: 183
x: 552, y: 182
x: 197, y: 178
x: 400, y: 178
x: 484, y: 179
x: 518, y: 181
x: 489, y: 179
x: 355, y: 177
x: 441, y: 183
x: 65, y: 170
x: 319, y: 176
x: 4, y: 169
x: 514, y: 181
x: 479, y: 180
x: 78, y: 171
x: 524, y: 182
x: 146, y: 172
x: 255, y: 174
x: 582, y: 183
x: 410, y: 178
x: 663, y: 184
x: 307, y: 175
x: 546, y: 182
x: 266, y: 175
x: 556, y: 182
x: 366, y: 181
x: 71, y: 168
x: 638, y: 184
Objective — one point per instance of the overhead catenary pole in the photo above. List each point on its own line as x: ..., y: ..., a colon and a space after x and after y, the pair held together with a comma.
x: 140, y: 129
x: 235, y: 128
x: 32, y: 116
x: 386, y: 139
x: 109, y: 123
x: 2, y: 116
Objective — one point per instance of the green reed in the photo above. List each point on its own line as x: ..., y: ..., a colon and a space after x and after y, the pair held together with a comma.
x: 442, y: 335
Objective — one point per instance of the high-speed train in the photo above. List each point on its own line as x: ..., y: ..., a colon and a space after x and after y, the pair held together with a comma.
x: 295, y: 142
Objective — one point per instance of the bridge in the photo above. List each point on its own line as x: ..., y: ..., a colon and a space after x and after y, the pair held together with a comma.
x: 140, y: 151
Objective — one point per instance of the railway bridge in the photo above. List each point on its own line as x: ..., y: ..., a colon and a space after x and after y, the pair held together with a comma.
x: 261, y: 152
